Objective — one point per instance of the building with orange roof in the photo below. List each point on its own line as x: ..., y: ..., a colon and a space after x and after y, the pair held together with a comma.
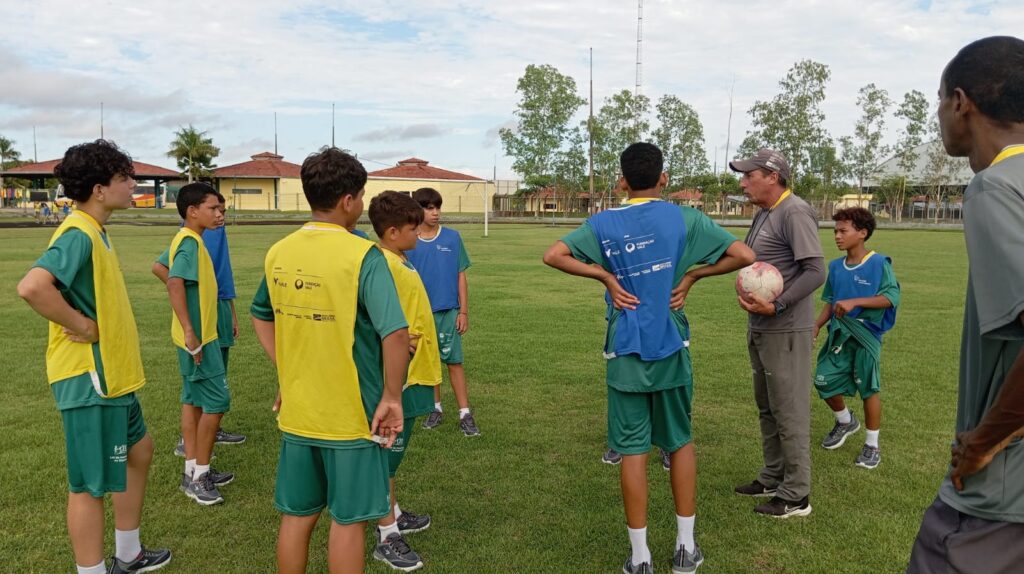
x: 264, y: 182
x: 460, y: 192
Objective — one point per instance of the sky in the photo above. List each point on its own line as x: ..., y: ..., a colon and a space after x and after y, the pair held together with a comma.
x: 436, y: 79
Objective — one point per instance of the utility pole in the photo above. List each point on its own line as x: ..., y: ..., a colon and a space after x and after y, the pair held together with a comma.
x: 101, y: 120
x: 590, y: 130
x: 275, y: 133
x: 639, y: 57
x: 35, y: 150
x: 728, y: 133
x: 332, y: 124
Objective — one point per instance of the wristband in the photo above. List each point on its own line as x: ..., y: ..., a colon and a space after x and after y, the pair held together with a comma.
x: 779, y: 307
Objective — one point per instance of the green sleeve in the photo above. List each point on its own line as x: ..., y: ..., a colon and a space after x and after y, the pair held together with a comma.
x: 378, y: 296
x: 261, y: 307
x: 826, y: 292
x: 889, y: 288
x: 186, y: 261
x: 67, y: 255
x: 706, y: 241
x: 584, y: 246
x: 463, y: 257
x: 165, y: 258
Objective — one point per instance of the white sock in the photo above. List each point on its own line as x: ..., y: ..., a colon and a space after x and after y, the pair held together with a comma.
x: 398, y: 511
x: 872, y: 439
x: 127, y: 544
x: 684, y: 536
x: 388, y: 530
x: 638, y: 540
x: 190, y: 468
x: 463, y: 413
x: 437, y: 407
x: 201, y: 469
x: 100, y: 568
x: 843, y: 417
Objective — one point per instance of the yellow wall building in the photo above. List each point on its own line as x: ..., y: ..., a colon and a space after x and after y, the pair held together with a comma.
x: 460, y: 193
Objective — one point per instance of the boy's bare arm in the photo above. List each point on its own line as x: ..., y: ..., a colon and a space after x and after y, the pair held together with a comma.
x: 161, y: 272
x: 877, y: 302
x: 823, y: 318
x: 560, y: 257
x: 265, y: 335
x: 388, y: 419
x: 738, y: 255
x: 179, y: 303
x: 38, y: 288
x: 462, y: 320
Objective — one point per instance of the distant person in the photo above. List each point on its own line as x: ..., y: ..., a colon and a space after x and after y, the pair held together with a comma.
x: 784, y: 233
x: 440, y: 258
x: 94, y: 362
x: 861, y: 296
x: 976, y: 523
x: 642, y: 253
x: 46, y: 212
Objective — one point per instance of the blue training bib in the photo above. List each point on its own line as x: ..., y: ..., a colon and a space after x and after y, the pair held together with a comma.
x: 863, y: 280
x: 437, y: 261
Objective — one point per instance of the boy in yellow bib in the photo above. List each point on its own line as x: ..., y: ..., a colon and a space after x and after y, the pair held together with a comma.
x: 192, y: 289
x: 93, y: 361
x: 396, y: 219
x: 328, y: 315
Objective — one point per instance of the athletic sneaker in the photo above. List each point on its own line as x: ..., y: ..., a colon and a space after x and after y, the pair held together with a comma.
x: 147, y: 561
x: 755, y: 488
x: 203, y: 491
x: 684, y: 561
x: 780, y: 508
x: 869, y: 457
x: 433, y: 420
x: 409, y: 523
x: 666, y: 460
x: 611, y: 456
x: 641, y: 568
x: 837, y: 436
x: 221, y: 478
x: 225, y: 437
x: 179, y: 449
x: 395, y: 552
x: 186, y: 479
x: 468, y: 426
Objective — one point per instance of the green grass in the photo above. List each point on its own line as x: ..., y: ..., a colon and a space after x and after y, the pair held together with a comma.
x: 530, y: 495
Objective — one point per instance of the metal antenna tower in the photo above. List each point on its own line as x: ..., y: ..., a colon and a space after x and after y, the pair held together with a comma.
x: 639, y: 45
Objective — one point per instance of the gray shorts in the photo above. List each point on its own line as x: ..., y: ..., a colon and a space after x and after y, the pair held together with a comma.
x: 951, y: 542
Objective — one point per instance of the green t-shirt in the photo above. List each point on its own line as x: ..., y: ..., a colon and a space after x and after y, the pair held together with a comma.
x: 706, y: 242
x: 378, y: 314
x: 69, y: 260
x: 186, y: 267
x: 888, y: 287
x: 463, y: 257
x: 993, y: 336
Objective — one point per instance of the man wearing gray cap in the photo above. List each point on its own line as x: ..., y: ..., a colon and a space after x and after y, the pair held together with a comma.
x: 784, y: 233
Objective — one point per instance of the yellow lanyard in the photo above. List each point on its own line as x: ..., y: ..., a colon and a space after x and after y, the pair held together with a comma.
x: 1009, y: 152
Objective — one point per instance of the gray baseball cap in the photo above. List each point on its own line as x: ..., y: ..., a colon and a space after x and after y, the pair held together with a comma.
x: 764, y: 159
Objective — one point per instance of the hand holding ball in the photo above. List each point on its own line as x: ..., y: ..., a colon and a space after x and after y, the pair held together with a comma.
x: 761, y: 279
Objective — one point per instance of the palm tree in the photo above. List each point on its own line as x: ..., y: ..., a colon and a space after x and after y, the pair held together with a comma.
x: 7, y: 152
x: 193, y: 151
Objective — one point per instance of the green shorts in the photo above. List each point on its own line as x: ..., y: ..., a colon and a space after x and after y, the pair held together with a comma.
x: 846, y: 370
x: 351, y: 482
x: 397, y: 451
x: 225, y: 324
x: 417, y: 400
x: 448, y: 338
x: 211, y: 395
x: 98, y: 439
x: 637, y: 420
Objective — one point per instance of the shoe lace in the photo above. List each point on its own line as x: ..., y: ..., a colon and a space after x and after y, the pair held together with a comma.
x: 399, y: 545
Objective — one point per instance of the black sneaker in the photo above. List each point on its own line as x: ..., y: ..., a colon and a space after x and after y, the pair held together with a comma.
x: 780, y: 508
x: 203, y: 491
x: 433, y: 420
x: 147, y: 561
x: 641, y: 568
x: 225, y: 437
x: 611, y: 456
x: 755, y: 488
x: 186, y: 479
x: 409, y: 523
x: 869, y: 457
x: 685, y: 561
x: 468, y: 426
x: 396, y: 553
x: 221, y: 478
x: 837, y: 436
x: 666, y: 459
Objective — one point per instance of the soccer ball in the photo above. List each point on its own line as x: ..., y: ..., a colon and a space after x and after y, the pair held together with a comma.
x: 760, y: 279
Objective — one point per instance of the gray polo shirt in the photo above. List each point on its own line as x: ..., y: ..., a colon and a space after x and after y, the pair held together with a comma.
x: 993, y: 335
x: 783, y: 236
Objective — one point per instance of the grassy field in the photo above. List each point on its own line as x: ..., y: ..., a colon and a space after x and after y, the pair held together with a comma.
x: 531, y: 494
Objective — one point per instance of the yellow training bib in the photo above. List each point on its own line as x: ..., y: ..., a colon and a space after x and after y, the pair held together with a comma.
x: 425, y: 365
x: 118, y: 336
x: 207, y: 292
x: 313, y: 279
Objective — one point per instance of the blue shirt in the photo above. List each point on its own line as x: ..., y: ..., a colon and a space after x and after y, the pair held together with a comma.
x: 439, y: 261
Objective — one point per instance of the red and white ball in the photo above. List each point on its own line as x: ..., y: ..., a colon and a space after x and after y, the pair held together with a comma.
x: 760, y: 279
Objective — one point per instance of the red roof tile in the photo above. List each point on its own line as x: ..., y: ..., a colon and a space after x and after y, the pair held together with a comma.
x: 45, y: 169
x: 263, y: 165
x: 686, y: 195
x: 415, y: 168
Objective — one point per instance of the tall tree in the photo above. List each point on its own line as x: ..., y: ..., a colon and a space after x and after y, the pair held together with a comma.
x: 7, y: 155
x: 548, y: 100
x: 194, y: 152
x: 622, y: 120
x: 792, y: 121
x: 864, y: 151
x: 680, y: 136
x: 913, y: 111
